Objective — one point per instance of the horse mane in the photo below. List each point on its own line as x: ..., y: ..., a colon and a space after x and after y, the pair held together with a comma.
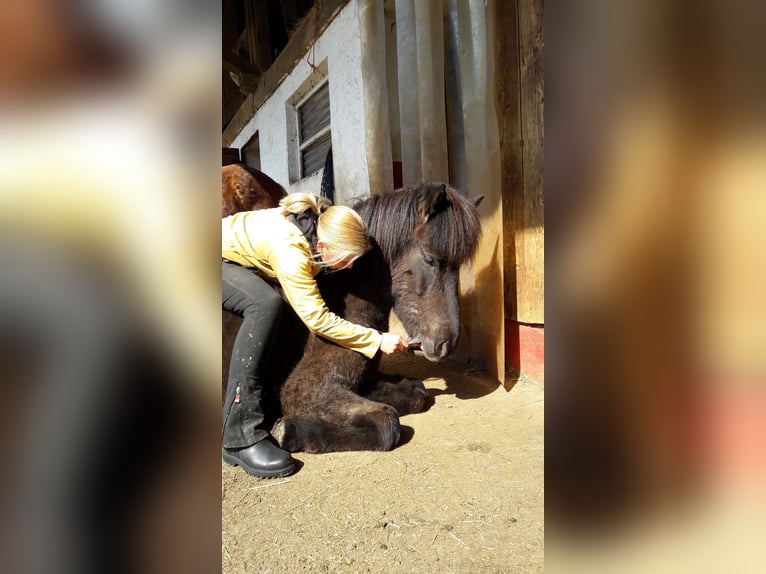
x: 452, y: 231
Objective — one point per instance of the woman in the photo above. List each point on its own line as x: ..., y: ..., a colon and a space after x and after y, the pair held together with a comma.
x: 289, y: 244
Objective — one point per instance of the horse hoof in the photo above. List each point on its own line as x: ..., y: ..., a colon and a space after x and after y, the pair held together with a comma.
x: 278, y: 431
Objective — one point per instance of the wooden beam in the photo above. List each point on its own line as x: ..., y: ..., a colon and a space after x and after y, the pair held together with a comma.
x: 258, y: 34
x: 229, y: 33
x: 294, y: 51
x: 528, y: 208
x: 289, y: 14
x: 235, y: 63
x: 509, y: 128
x: 519, y: 100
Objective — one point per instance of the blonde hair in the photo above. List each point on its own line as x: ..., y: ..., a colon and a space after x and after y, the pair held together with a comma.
x: 343, y: 233
x: 299, y: 202
x: 339, y: 228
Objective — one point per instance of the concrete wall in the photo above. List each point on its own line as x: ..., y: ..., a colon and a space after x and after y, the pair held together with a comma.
x: 338, y: 55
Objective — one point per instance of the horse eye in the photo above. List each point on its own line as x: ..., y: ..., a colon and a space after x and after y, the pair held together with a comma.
x: 428, y: 259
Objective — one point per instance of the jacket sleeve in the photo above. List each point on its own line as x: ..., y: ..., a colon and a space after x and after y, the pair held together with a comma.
x: 294, y: 272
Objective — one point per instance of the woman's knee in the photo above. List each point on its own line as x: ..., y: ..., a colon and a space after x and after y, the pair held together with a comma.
x: 268, y: 303
x: 275, y: 303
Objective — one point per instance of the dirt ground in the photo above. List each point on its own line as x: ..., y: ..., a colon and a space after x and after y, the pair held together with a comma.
x: 462, y: 493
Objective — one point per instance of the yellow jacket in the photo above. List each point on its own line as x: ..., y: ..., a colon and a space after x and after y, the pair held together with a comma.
x: 266, y: 240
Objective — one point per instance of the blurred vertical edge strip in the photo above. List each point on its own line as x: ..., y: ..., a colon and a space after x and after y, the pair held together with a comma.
x: 656, y: 269
x: 109, y: 286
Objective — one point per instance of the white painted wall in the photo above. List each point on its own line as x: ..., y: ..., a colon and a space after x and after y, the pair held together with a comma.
x: 338, y: 51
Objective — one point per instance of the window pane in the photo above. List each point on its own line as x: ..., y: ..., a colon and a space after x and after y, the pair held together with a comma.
x: 313, y: 156
x: 314, y: 114
x: 252, y: 152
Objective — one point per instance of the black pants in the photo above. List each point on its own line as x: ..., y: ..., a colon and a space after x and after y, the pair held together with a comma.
x: 252, y: 297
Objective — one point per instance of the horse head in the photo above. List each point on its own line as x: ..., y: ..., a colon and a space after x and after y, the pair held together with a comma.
x: 426, y: 233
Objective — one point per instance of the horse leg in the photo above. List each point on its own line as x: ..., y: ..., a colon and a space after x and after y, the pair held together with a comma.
x: 345, y: 425
x: 407, y: 396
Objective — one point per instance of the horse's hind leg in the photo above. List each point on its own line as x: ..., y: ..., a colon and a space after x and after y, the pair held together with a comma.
x: 364, y: 425
x: 407, y: 396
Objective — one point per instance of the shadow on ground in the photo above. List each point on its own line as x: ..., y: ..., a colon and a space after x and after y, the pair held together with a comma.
x: 462, y: 381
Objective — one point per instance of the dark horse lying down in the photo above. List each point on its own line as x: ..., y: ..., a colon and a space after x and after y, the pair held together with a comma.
x: 333, y: 400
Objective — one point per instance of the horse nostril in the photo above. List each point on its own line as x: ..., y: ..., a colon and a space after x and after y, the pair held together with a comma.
x: 435, y: 350
x: 414, y: 344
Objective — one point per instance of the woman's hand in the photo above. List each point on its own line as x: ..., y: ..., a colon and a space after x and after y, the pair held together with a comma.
x: 392, y: 343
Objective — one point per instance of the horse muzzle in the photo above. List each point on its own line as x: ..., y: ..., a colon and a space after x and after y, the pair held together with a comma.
x: 430, y: 349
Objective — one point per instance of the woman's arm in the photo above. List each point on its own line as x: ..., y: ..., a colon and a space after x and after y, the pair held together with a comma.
x: 294, y: 272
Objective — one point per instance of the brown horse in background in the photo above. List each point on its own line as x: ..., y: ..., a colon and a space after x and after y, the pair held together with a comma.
x: 246, y: 189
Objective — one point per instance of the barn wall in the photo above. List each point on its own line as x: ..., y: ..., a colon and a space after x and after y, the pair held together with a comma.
x: 448, y: 132
x: 494, y: 115
x: 520, y: 94
x: 337, y: 53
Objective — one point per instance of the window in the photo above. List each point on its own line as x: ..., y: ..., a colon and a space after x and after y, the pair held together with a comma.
x: 251, y: 152
x: 314, y: 130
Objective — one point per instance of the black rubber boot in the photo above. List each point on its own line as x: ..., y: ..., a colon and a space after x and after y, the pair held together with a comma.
x: 263, y: 459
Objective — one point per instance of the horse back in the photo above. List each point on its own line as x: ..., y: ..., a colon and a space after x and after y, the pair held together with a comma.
x: 246, y: 189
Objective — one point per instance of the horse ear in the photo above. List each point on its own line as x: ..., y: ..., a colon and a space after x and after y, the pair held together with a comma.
x: 477, y: 200
x: 432, y: 198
